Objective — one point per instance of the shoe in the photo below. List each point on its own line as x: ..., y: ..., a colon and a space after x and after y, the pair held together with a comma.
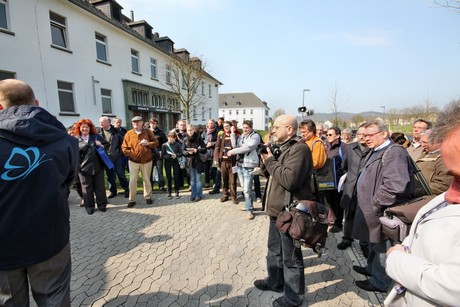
x: 367, y: 286
x: 235, y: 201
x: 343, y: 245
x: 177, y: 196
x: 197, y: 199
x: 192, y: 198
x: 149, y: 201
x: 112, y: 195
x: 250, y: 216
x: 259, y: 200
x: 213, y: 192
x: 90, y: 211
x: 131, y: 204
x: 82, y: 203
x: 283, y: 302
x: 241, y: 196
x: 170, y: 196
x: 365, y: 250
x: 243, y: 208
x: 126, y: 194
x: 360, y: 270
x: 335, y: 229
x: 224, y: 199
x: 261, y: 284
x: 103, y: 209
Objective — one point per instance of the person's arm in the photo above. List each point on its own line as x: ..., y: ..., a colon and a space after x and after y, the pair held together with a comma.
x: 318, y: 155
x: 247, y: 146
x: 153, y: 141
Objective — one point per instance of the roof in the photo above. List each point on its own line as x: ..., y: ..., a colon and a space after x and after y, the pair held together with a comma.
x: 241, y: 100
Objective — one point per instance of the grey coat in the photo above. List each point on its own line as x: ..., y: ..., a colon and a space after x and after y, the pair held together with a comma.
x: 381, y: 185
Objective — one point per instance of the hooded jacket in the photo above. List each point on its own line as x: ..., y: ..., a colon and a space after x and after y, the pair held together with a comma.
x: 38, y: 163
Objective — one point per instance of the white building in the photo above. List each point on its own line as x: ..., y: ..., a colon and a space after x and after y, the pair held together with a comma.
x: 85, y: 59
x: 242, y: 106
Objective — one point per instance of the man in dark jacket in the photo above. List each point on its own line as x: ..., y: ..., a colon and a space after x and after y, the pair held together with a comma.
x: 38, y: 163
x: 289, y: 179
x: 113, y: 136
x: 386, y: 179
x: 158, y: 160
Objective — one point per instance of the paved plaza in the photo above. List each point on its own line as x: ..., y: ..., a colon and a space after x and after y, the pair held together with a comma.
x: 179, y: 253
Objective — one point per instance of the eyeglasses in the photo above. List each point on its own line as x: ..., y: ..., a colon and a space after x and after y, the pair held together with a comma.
x: 277, y: 127
x: 371, y: 135
x: 329, y: 134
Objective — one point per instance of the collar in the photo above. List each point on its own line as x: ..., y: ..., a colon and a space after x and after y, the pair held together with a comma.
x: 382, y: 146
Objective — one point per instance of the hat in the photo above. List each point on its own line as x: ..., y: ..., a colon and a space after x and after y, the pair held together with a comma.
x: 136, y: 119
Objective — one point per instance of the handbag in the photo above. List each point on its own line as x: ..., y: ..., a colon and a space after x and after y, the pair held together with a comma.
x: 306, y: 222
x: 397, y: 220
x: 104, y: 156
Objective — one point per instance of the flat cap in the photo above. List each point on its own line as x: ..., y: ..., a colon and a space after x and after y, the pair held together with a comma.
x: 136, y: 119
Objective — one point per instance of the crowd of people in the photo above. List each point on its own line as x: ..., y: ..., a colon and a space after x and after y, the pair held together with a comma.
x: 373, y: 171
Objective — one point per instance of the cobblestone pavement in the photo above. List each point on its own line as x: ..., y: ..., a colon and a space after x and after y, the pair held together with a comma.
x: 181, y: 253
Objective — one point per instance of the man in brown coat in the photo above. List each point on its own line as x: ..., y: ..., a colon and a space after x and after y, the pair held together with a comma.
x: 137, y: 146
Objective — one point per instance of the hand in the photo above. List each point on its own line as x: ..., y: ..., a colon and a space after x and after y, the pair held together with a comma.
x: 397, y: 247
x: 144, y: 142
x: 267, y: 155
x: 209, y: 145
x: 98, y: 143
x: 229, y: 153
x: 174, y: 156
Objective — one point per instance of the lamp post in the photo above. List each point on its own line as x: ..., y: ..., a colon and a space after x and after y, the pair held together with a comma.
x: 303, y: 100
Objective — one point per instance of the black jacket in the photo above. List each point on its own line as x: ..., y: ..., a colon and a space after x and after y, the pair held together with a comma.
x: 115, y: 141
x: 38, y: 163
x: 194, y: 141
x: 90, y: 162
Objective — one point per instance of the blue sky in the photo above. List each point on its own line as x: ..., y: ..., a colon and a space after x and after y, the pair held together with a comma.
x: 392, y: 53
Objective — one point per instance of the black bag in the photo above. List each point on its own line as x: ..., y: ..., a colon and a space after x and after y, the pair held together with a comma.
x: 397, y: 220
x: 325, y: 177
x: 306, y: 222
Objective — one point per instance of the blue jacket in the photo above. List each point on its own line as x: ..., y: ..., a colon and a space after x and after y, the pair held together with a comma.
x: 38, y: 162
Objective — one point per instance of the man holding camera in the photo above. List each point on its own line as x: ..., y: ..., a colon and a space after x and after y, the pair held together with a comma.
x: 289, y: 176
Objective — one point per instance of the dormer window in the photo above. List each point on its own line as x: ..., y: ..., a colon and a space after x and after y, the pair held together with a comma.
x: 238, y: 103
x: 225, y: 103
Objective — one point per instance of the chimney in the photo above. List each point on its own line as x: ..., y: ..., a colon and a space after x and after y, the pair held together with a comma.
x: 132, y: 15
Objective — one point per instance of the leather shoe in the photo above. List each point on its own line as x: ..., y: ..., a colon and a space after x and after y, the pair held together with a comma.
x: 103, y: 209
x: 361, y: 270
x: 213, y: 192
x: 112, y: 195
x: 335, y: 229
x: 366, y: 285
x: 235, y: 201
x: 365, y: 250
x: 131, y: 204
x: 283, y: 302
x: 261, y: 284
x: 224, y: 199
x: 90, y: 211
x: 149, y: 201
x: 343, y: 245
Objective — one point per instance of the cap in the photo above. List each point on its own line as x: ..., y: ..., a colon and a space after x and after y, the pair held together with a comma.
x: 136, y: 119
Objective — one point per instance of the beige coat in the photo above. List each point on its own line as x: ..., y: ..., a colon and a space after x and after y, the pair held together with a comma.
x: 435, y: 172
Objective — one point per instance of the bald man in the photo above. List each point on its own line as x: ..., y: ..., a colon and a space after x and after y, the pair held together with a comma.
x: 34, y: 213
x: 289, y: 172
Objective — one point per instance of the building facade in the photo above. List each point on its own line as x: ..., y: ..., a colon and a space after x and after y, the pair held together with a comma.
x: 85, y: 59
x: 242, y: 106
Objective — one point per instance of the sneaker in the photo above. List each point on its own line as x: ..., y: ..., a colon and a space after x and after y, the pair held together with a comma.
x: 259, y: 200
x: 250, y: 216
x: 170, y: 196
x: 149, y: 201
x: 177, y: 196
x: 197, y: 199
x: 261, y: 284
x: 192, y: 198
x: 131, y: 204
x: 224, y: 199
x: 82, y: 203
x: 343, y: 245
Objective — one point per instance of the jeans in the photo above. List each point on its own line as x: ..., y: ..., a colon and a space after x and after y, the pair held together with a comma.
x: 172, y: 165
x: 118, y: 170
x: 217, y: 180
x: 285, y: 264
x: 245, y: 176
x: 195, y: 182
x: 376, y: 264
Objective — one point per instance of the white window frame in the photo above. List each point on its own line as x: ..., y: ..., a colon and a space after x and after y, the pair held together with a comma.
x: 101, y: 42
x: 135, y: 67
x: 168, y: 74
x: 153, y: 68
x: 65, y: 91
x: 202, y: 88
x: 106, y: 97
x: 210, y: 90
x: 4, y: 18
x: 61, y: 27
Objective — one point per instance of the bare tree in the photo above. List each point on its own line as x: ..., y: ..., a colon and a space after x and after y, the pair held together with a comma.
x: 184, y: 77
x: 451, y: 4
x: 337, y: 101
x: 277, y: 113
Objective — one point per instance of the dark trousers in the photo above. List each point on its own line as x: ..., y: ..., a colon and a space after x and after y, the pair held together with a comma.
x: 209, y: 171
x: 285, y: 264
x: 49, y: 282
x: 118, y: 170
x: 257, y: 186
x: 217, y: 180
x: 93, y: 185
x: 332, y: 200
x: 172, y: 165
x: 228, y: 178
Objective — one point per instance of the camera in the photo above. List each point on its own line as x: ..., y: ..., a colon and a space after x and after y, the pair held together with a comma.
x: 275, y: 150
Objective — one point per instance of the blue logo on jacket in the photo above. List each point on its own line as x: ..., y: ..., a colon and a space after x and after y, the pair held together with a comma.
x: 22, y: 162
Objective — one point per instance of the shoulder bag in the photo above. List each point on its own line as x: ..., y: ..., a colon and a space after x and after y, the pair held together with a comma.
x: 104, y: 156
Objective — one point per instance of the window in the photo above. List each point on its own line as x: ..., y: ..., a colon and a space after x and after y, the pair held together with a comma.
x: 140, y: 98
x: 184, y: 85
x: 237, y: 112
x: 202, y: 88
x: 101, y: 47
x: 209, y: 113
x: 202, y: 113
x: 66, y: 99
x: 229, y: 112
x: 134, y: 61
x: 244, y: 111
x: 153, y: 68
x: 209, y: 90
x: 168, y: 73
x: 106, y: 98
x: 252, y: 111
x: 3, y: 14
x: 194, y: 112
x: 58, y: 30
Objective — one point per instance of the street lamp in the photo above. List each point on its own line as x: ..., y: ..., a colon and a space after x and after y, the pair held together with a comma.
x: 303, y: 96
x: 303, y: 109
x: 383, y: 108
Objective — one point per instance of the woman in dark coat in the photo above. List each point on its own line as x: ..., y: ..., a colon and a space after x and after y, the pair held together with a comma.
x: 170, y: 152
x: 193, y: 147
x: 91, y: 170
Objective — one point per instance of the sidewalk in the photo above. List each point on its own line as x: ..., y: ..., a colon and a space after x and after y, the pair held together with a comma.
x: 178, y: 253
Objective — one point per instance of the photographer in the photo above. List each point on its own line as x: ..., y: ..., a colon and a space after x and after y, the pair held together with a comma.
x: 248, y: 159
x: 288, y: 175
